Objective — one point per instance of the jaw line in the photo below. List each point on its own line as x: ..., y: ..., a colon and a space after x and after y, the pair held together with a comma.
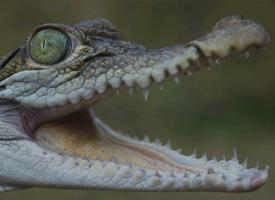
x: 189, y: 172
x: 156, y: 162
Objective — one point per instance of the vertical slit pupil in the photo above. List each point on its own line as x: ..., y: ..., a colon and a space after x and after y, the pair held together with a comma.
x: 43, y: 44
x: 49, y: 46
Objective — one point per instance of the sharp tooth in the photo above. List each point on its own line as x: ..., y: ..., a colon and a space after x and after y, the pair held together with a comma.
x: 217, y: 61
x: 223, y: 157
x: 214, y: 158
x: 245, y: 162
x: 146, y: 138
x: 204, y: 156
x: 194, y: 154
x: 131, y: 91
x: 257, y: 165
x: 266, y: 169
x: 235, y: 155
x: 168, y: 144
x: 157, y: 141
x: 117, y: 92
x: 177, y: 80
x: 146, y: 94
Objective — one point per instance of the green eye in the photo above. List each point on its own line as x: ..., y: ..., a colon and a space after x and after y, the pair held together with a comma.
x: 49, y: 46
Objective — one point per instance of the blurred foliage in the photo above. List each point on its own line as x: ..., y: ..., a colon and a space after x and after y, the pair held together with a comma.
x: 231, y: 105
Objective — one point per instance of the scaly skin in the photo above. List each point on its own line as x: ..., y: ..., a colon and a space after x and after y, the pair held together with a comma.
x: 50, y: 137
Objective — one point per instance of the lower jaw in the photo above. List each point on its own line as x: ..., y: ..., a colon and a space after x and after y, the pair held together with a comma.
x: 83, y: 135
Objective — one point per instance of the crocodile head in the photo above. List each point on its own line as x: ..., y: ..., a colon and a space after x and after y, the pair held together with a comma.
x: 50, y: 137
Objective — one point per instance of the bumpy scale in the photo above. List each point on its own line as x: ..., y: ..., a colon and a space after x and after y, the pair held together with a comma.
x: 50, y: 137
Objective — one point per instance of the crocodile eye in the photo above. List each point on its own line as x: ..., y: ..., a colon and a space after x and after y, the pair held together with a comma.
x: 49, y: 46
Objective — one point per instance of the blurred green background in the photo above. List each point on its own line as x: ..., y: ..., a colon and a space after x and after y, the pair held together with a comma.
x: 229, y: 106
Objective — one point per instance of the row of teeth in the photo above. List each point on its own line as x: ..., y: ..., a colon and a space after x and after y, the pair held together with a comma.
x: 184, y: 176
x: 75, y: 96
x: 157, y: 144
x: 227, y: 174
x: 209, y: 171
x: 176, y: 78
x: 139, y: 175
x: 174, y: 154
x: 182, y: 64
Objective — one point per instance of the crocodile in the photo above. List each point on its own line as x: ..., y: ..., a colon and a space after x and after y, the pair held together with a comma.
x: 50, y: 136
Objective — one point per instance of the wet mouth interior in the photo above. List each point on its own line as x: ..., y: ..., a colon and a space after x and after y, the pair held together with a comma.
x: 79, y: 135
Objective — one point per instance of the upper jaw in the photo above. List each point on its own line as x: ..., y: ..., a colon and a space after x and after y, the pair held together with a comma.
x: 117, y: 64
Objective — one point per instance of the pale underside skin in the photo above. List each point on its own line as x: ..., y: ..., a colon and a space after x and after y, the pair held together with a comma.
x: 50, y: 137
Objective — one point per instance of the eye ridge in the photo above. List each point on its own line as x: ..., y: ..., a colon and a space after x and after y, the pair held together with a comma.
x: 49, y: 46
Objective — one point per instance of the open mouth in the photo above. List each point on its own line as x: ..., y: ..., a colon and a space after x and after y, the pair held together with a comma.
x: 85, y: 137
x: 72, y: 148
